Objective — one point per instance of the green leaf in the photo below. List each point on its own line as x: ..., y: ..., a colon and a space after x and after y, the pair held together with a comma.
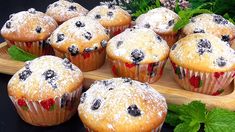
x: 220, y: 120
x: 186, y: 127
x: 172, y: 119
x: 20, y: 55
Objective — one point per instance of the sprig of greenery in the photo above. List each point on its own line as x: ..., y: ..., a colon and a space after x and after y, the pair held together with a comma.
x: 191, y: 117
x: 20, y: 55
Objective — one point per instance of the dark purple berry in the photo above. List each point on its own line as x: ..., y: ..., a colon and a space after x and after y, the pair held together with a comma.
x: 56, y: 4
x: 225, y: 38
x: 159, y: 38
x: 127, y: 80
x: 67, y: 64
x: 10, y: 16
x: 197, y: 30
x: 203, y: 46
x: 87, y: 50
x: 96, y: 104
x: 171, y: 22
x: 119, y: 43
x: 38, y: 29
x: 49, y: 74
x: 192, y: 20
x: 79, y: 24
x: 83, y: 97
x: 110, y: 14
x: 73, y: 50
x: 137, y: 56
x: 8, y: 24
x: 87, y: 35
x: 219, y: 20
x: 103, y: 43
x: 60, y: 37
x: 133, y: 110
x: 25, y: 74
x: 72, y: 8
x: 107, y: 31
x: 221, y: 62
x: 97, y: 16
x: 32, y: 10
x: 110, y: 89
x: 64, y: 100
x: 111, y: 6
x: 107, y: 83
x: 173, y: 47
x: 147, y: 25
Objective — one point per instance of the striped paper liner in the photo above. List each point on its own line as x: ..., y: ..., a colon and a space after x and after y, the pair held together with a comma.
x: 202, y: 82
x: 85, y: 61
x: 37, y: 48
x: 158, y: 129
x: 142, y: 72
x: 38, y: 114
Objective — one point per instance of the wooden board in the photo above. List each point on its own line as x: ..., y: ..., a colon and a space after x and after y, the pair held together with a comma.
x: 166, y: 85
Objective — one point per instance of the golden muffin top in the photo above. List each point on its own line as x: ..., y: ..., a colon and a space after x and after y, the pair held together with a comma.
x: 161, y: 20
x: 213, y: 24
x: 28, y: 26
x: 203, y: 52
x: 45, y: 77
x: 64, y: 10
x: 110, y: 15
x: 79, y: 34
x: 110, y: 105
x: 138, y: 46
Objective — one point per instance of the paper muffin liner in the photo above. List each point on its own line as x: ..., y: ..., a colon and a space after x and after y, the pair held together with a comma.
x: 50, y: 112
x: 170, y: 38
x: 85, y: 61
x: 115, y: 30
x: 37, y: 48
x: 202, y: 82
x: 158, y: 129
x: 150, y: 72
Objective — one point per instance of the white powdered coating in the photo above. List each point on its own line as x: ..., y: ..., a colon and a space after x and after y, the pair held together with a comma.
x: 103, y: 10
x: 205, y: 22
x: 35, y: 86
x: 114, y: 103
x: 24, y: 18
x: 186, y: 53
x: 158, y: 19
x: 146, y: 40
x: 74, y: 35
x: 60, y: 11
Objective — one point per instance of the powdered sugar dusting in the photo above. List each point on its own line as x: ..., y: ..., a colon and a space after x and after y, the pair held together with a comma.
x: 49, y: 74
x: 61, y: 10
x: 115, y: 102
x: 206, y: 23
x: 90, y: 34
x: 152, y: 45
x: 161, y: 20
x: 215, y: 55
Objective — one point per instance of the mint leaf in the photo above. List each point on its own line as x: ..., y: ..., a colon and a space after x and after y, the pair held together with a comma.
x: 220, y: 120
x: 172, y: 119
x: 20, y: 55
x: 187, y: 127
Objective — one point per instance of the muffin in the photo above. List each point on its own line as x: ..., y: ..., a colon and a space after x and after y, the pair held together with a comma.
x: 46, y: 91
x: 162, y: 21
x: 83, y: 41
x: 203, y: 63
x: 138, y: 53
x: 111, y: 17
x: 122, y: 105
x: 64, y: 10
x: 29, y: 31
x: 213, y: 24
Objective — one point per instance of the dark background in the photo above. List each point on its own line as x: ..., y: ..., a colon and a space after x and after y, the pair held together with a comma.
x: 9, y: 120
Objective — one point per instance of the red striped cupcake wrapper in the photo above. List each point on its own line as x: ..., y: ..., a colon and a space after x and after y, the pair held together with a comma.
x: 158, y: 129
x: 202, y: 82
x: 117, y: 29
x: 142, y: 72
x: 50, y: 112
x: 85, y: 61
x: 37, y: 48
